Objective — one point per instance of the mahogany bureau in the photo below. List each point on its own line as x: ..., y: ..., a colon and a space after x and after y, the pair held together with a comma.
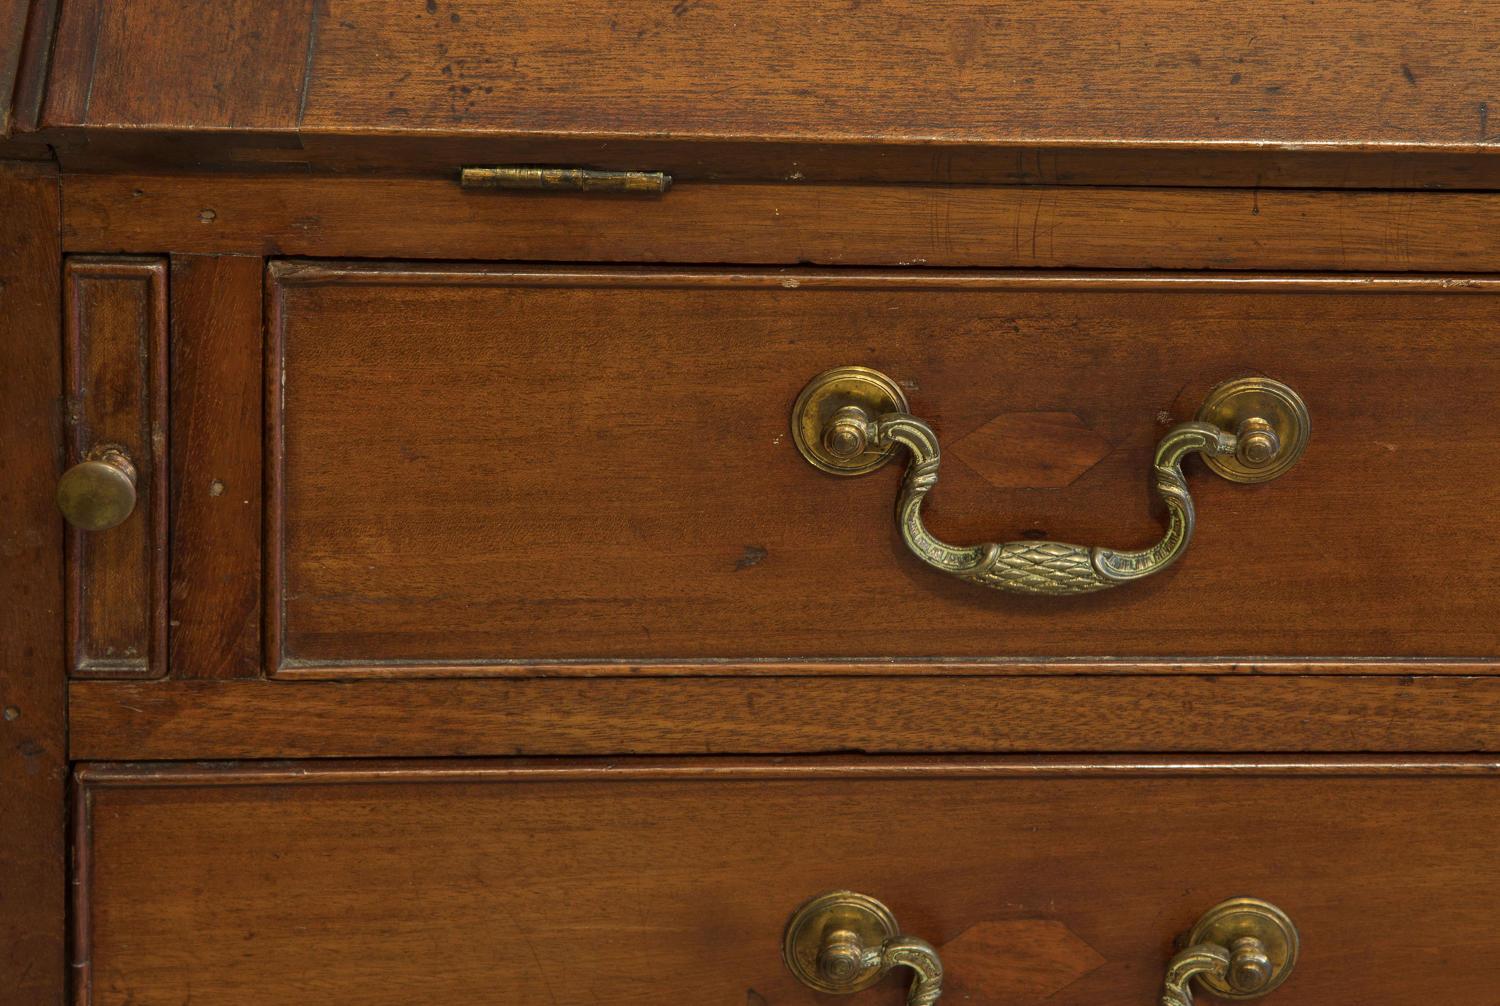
x: 569, y: 504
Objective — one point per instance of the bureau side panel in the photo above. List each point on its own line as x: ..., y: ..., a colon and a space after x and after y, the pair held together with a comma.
x: 32, y: 672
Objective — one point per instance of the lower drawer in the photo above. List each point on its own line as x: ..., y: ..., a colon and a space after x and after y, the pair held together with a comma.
x: 1057, y: 881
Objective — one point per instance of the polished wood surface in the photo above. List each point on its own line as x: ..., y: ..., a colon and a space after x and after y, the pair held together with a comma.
x: 227, y: 64
x: 477, y: 466
x: 813, y: 713
x: 33, y: 731
x: 615, y: 884
x: 440, y: 513
x: 115, y: 356
x: 13, y: 18
x: 216, y: 466
x: 26, y: 28
x: 861, y: 85
x: 791, y: 224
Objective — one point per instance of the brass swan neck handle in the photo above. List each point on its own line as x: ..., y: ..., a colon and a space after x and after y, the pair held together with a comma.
x: 1047, y: 567
x: 850, y: 420
x: 842, y: 942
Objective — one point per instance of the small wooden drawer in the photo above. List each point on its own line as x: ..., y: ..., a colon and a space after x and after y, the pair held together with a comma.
x: 1057, y: 881
x: 475, y: 469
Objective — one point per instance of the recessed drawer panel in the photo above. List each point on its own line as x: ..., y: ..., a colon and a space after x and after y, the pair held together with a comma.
x: 1063, y: 882
x: 480, y: 467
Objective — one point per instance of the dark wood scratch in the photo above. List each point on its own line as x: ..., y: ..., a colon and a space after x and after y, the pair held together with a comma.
x: 307, y: 66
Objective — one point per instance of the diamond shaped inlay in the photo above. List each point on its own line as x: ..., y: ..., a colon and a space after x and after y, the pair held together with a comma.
x: 1031, y: 450
x: 1014, y: 963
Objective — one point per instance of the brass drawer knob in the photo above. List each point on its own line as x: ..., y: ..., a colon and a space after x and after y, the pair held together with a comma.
x: 1243, y: 948
x: 850, y: 420
x: 98, y: 493
x: 842, y: 942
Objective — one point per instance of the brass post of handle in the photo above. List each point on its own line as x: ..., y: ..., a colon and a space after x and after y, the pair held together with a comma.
x: 842, y: 942
x: 1242, y: 948
x: 98, y: 493
x: 850, y: 420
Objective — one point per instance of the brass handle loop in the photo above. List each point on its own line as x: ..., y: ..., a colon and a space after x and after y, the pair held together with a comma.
x: 850, y: 420
x: 1204, y: 959
x: 1047, y: 567
x: 842, y: 942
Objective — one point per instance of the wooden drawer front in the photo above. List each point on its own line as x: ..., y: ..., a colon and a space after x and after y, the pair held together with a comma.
x: 1063, y: 882
x: 475, y: 466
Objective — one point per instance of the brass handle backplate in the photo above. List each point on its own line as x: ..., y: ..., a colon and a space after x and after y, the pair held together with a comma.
x: 98, y: 493
x: 1243, y: 948
x: 850, y: 421
x: 842, y: 942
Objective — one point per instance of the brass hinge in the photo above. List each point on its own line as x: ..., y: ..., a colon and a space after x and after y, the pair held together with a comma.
x: 566, y: 180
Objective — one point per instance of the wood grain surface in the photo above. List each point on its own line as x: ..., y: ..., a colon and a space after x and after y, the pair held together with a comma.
x: 232, y: 63
x: 868, y: 80
x: 33, y: 670
x: 790, y: 224
x: 815, y: 713
x: 616, y: 884
x: 216, y: 465
x: 26, y: 28
x: 115, y: 357
x: 487, y: 465
x: 13, y: 17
